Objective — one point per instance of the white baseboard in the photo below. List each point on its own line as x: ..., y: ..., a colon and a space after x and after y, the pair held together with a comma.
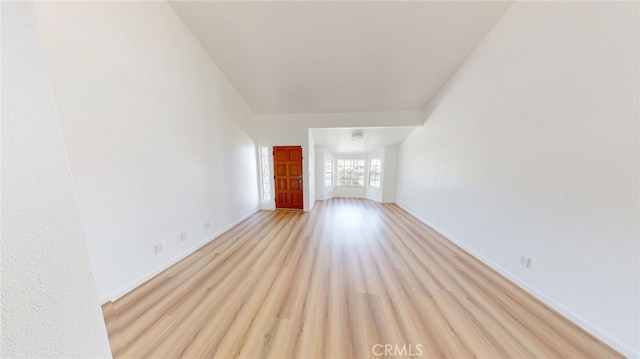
x: 171, y: 261
x: 325, y: 198
x: 577, y: 319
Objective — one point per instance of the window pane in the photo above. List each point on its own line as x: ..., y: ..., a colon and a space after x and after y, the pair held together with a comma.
x: 264, y: 172
x: 350, y: 172
x: 328, y: 172
x: 375, y: 168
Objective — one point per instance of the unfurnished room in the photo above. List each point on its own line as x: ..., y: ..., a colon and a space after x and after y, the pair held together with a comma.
x: 320, y: 179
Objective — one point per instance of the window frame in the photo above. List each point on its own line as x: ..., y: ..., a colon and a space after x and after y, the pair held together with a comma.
x: 378, y: 173
x: 265, y: 174
x: 328, y: 172
x: 359, y: 174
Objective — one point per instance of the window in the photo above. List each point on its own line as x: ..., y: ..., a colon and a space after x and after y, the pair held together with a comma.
x: 264, y: 170
x: 328, y: 172
x: 351, y: 172
x: 374, y: 173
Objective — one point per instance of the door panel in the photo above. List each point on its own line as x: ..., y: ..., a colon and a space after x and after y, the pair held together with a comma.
x: 288, y: 176
x: 295, y: 170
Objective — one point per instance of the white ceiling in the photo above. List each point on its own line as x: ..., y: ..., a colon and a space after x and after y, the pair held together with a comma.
x: 321, y: 57
x: 338, y: 140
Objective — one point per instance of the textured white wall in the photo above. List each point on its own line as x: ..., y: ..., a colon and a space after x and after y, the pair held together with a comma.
x: 49, y: 304
x: 532, y: 148
x: 159, y: 141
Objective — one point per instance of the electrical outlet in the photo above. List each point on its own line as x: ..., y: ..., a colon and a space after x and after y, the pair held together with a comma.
x: 158, y: 248
x: 207, y: 225
x: 183, y: 236
x: 524, y: 261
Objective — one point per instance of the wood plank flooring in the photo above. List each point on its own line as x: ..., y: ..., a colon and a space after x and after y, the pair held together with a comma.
x: 340, y: 282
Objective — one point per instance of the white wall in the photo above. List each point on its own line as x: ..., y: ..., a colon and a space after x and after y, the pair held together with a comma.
x: 319, y: 172
x: 532, y: 148
x: 312, y: 171
x: 329, y: 191
x: 390, y: 174
x: 349, y: 192
x: 49, y: 305
x: 375, y: 194
x: 293, y: 130
x: 159, y: 141
x: 322, y: 192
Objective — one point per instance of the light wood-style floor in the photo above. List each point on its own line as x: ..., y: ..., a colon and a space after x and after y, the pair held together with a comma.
x: 332, y: 284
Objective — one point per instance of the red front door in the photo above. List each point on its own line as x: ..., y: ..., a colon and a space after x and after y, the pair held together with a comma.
x: 287, y: 162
